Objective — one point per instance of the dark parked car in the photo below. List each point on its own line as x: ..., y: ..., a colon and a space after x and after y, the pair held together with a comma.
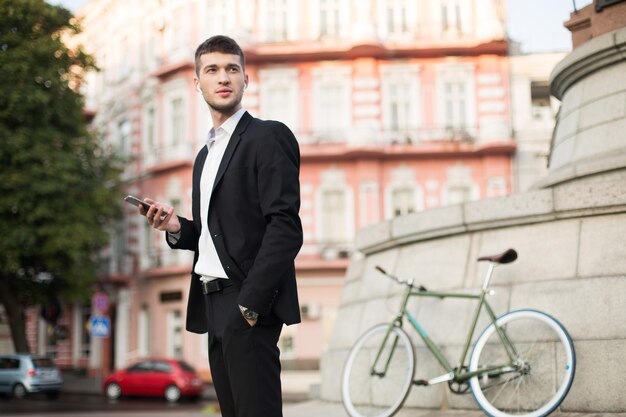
x: 167, y: 378
x: 22, y: 374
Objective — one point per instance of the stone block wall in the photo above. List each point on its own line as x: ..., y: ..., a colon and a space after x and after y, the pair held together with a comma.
x: 572, y: 265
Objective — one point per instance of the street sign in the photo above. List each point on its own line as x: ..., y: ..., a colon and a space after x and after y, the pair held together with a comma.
x: 100, y: 326
x: 100, y: 303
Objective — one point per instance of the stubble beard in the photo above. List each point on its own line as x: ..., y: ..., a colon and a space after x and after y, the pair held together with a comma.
x: 227, y: 108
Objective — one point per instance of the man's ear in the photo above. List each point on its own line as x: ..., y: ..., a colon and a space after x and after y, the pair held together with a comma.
x: 197, y: 84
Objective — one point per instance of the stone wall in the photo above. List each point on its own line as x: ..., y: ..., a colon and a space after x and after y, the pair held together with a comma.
x: 572, y: 265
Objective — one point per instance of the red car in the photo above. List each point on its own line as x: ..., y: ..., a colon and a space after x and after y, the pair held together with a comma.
x: 167, y: 378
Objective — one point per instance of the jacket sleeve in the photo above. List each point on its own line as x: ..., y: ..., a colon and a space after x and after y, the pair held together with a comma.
x: 278, y: 169
x: 188, y: 236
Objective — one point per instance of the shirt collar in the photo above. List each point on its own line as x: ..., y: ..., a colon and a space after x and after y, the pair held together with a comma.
x: 227, y: 127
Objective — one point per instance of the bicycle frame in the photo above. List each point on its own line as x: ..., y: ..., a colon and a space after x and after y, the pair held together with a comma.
x: 456, y: 374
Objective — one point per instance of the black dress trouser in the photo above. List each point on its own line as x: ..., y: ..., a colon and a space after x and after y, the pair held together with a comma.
x: 244, y: 360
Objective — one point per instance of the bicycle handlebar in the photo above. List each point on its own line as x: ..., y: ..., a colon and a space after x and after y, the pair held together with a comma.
x: 398, y: 280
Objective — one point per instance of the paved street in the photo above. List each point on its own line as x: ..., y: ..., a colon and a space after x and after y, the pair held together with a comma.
x: 82, y: 396
x: 302, y: 409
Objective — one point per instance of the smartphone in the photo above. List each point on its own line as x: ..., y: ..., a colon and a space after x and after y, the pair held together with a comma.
x: 137, y: 202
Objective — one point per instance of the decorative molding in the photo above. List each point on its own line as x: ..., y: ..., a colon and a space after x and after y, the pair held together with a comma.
x: 592, y: 56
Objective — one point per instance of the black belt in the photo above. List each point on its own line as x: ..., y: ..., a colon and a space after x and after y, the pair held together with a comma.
x: 216, y: 285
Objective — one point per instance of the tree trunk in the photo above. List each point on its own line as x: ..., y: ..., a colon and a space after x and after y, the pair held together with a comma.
x: 15, y: 313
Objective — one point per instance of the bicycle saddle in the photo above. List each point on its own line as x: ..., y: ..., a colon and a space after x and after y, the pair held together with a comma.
x: 504, y: 258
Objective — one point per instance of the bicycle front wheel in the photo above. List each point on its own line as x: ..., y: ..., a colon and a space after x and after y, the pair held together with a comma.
x: 378, y: 373
x: 538, y: 377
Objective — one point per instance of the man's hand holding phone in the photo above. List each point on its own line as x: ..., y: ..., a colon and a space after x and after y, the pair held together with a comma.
x: 159, y: 216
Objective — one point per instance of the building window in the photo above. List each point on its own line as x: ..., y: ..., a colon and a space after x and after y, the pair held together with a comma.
x: 149, y: 135
x: 178, y: 121
x: 454, y: 98
x: 331, y: 103
x: 334, y: 216
x: 403, y: 201
x: 143, y: 337
x: 399, y: 105
x: 85, y: 334
x: 398, y: 17
x: 276, y: 20
x: 174, y: 335
x: 279, y: 96
x: 119, y: 248
x: 329, y: 13
x: 217, y: 16
x: 458, y: 193
x: 286, y: 344
x: 176, y: 33
x: 403, y: 195
x: 124, y: 130
x: 459, y: 187
x: 456, y: 101
x: 150, y: 128
x: 455, y: 15
x: 540, y: 100
x: 400, y: 102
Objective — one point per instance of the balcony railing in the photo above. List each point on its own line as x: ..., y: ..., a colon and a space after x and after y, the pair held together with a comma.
x: 411, y: 136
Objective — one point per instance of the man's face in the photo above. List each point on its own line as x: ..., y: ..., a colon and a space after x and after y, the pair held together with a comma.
x: 221, y: 80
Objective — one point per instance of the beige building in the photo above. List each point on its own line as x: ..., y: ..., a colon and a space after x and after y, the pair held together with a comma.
x: 534, y: 112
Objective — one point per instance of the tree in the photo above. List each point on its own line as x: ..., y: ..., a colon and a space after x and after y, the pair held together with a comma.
x: 58, y: 184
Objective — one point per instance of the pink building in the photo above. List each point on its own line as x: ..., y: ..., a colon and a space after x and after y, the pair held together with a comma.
x: 399, y: 106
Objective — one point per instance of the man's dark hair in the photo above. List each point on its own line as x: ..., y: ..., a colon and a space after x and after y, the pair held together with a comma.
x: 219, y: 43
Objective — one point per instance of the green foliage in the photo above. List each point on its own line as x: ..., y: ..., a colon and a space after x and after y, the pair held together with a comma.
x: 58, y: 185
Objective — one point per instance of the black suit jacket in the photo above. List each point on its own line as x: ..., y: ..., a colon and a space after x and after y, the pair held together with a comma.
x: 253, y: 220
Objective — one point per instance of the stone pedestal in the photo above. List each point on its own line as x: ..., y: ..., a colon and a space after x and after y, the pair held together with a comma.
x: 570, y: 234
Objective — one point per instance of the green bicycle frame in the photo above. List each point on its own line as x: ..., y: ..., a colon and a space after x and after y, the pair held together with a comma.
x: 458, y: 373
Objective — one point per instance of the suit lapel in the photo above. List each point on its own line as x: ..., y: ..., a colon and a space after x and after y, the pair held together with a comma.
x: 232, y: 145
x: 198, y: 166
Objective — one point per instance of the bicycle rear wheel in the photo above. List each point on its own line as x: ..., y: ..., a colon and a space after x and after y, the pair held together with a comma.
x: 539, y: 378
x: 377, y: 387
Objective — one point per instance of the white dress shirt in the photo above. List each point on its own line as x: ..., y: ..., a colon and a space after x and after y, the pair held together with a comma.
x: 209, y: 266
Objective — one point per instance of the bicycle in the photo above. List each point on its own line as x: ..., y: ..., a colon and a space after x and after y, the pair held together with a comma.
x: 522, y: 364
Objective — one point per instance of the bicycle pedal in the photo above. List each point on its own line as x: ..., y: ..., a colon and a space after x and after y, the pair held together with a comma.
x: 421, y: 382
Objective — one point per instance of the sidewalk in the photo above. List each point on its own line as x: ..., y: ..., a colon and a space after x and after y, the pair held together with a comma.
x: 298, y: 386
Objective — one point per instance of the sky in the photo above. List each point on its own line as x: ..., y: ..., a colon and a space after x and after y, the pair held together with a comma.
x: 536, y: 24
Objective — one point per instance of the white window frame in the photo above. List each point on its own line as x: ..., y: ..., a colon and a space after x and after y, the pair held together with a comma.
x: 334, y: 180
x: 343, y: 23
x: 216, y: 17
x: 124, y: 132
x: 496, y: 186
x: 403, y: 177
x: 150, y: 149
x: 463, y: 73
x: 177, y: 32
x: 408, y: 74
x: 273, y: 79
x: 461, y: 13
x: 179, y: 147
x: 269, y: 20
x: 174, y: 335
x: 339, y: 78
x: 143, y: 332
x: 459, y: 175
x: 410, y: 7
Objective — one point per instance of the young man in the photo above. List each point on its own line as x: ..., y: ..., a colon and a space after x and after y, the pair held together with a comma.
x: 245, y: 233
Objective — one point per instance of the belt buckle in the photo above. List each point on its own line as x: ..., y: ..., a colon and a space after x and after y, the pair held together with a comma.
x: 209, y: 287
